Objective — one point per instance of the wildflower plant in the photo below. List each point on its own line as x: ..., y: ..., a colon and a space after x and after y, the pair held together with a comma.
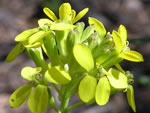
x: 83, y: 61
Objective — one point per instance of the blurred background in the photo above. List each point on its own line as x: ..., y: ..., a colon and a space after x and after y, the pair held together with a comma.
x: 19, y: 15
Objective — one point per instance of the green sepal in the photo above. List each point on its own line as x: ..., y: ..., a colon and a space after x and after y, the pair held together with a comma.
x: 37, y: 56
x: 132, y: 56
x: 50, y: 14
x: 51, y: 49
x: 15, y: 52
x: 130, y: 97
x: 19, y: 96
x: 87, y: 88
x: 79, y: 29
x: 80, y: 15
x: 117, y: 79
x: 37, y: 36
x: 65, y: 11
x: 29, y: 73
x: 25, y: 35
x: 83, y: 56
x: 51, y: 101
x: 102, y: 91
x: 60, y: 75
x: 86, y: 33
x: 38, y: 99
x: 99, y: 27
x: 62, y: 26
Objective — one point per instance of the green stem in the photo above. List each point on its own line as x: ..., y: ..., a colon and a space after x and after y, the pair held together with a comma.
x: 74, y: 106
x: 56, y: 88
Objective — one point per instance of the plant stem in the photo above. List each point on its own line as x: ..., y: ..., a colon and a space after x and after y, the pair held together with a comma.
x: 74, y: 106
x: 56, y: 88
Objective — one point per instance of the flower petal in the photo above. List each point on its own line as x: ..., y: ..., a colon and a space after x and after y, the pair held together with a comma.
x: 50, y: 14
x: 83, y: 56
x: 62, y: 26
x: 28, y: 73
x: 38, y: 100
x: 123, y: 33
x: 87, y: 88
x: 118, y: 41
x: 102, y: 91
x: 65, y: 11
x: 19, y: 96
x: 44, y: 21
x: 80, y: 15
x: 99, y: 27
x: 132, y: 56
x: 130, y: 97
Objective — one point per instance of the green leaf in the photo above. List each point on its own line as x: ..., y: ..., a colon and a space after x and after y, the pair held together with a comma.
x: 86, y: 33
x: 102, y: 91
x: 83, y: 56
x: 99, y: 27
x: 132, y: 56
x: 118, y: 41
x: 117, y: 79
x: 80, y: 15
x: 51, y: 49
x: 37, y: 36
x: 28, y: 73
x: 19, y: 96
x: 50, y: 14
x: 60, y: 75
x: 62, y: 26
x: 25, y: 35
x: 87, y: 88
x: 123, y: 33
x: 65, y: 11
x: 130, y: 97
x: 44, y: 21
x: 49, y: 78
x: 15, y: 52
x: 38, y: 100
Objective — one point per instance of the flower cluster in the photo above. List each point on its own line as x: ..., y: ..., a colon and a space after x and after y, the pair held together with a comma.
x: 80, y: 62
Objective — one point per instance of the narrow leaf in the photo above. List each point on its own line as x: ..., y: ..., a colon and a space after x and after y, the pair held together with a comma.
x: 15, y: 52
x: 102, y: 91
x: 80, y: 15
x: 59, y: 75
x: 65, y: 11
x: 50, y: 14
x: 132, y: 56
x: 83, y: 56
x: 87, y: 88
x: 25, y: 35
x: 99, y: 27
x: 38, y: 100
x: 130, y: 97
x: 19, y: 96
x: 123, y: 33
x: 28, y: 73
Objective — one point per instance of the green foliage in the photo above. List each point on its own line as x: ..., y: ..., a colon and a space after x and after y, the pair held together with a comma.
x: 79, y: 62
